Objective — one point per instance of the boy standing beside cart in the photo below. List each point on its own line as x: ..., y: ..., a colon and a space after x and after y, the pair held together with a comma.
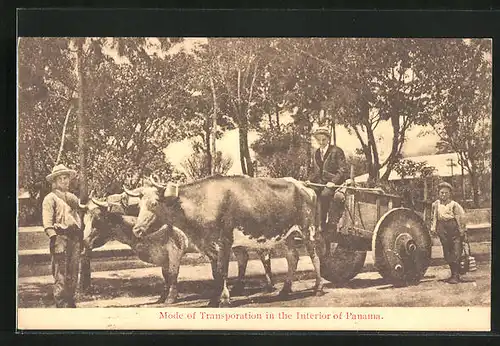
x: 448, y: 223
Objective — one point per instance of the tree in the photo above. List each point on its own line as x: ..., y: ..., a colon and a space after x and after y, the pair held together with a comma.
x: 414, y: 182
x: 238, y: 66
x: 382, y: 83
x: 46, y: 89
x: 305, y: 82
x: 134, y: 126
x: 283, y: 153
x: 196, y: 166
x: 462, y: 101
x: 127, y: 129
x: 361, y: 83
x: 209, y: 116
x: 408, y: 168
x: 358, y: 162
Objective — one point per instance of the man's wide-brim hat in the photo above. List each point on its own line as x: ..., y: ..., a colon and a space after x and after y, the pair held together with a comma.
x: 60, y: 170
x: 445, y: 185
x: 325, y: 131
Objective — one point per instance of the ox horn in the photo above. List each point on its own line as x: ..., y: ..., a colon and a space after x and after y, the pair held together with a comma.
x: 84, y: 206
x: 155, y: 184
x: 131, y: 193
x: 100, y: 203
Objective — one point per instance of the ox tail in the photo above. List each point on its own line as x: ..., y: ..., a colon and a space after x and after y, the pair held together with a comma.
x: 307, y: 200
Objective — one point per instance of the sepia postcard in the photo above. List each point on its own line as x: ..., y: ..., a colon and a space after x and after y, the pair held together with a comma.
x: 243, y: 183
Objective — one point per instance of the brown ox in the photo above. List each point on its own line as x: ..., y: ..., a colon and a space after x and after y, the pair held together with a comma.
x: 217, y: 213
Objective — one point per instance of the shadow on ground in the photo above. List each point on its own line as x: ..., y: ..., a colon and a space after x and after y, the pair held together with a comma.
x: 40, y: 295
x: 149, y: 288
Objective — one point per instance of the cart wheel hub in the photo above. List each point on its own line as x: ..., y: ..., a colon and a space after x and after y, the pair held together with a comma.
x: 405, y: 244
x: 402, y: 247
x: 412, y: 247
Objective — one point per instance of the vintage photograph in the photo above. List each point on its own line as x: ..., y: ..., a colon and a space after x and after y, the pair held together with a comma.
x: 328, y: 176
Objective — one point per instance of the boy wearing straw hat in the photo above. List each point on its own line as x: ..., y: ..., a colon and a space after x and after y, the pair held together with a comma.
x: 63, y: 226
x: 448, y: 224
x: 329, y: 166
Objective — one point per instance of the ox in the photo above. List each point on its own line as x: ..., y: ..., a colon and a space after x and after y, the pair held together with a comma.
x: 165, y: 247
x: 105, y: 221
x: 217, y: 212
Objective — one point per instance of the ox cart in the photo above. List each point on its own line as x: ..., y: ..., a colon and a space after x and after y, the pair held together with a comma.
x: 378, y: 222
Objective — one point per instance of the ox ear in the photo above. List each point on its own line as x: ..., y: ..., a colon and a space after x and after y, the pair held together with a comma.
x: 171, y: 190
x: 161, y: 191
x: 171, y: 194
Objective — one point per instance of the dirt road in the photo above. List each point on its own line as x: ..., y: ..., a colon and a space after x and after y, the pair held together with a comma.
x: 141, y: 287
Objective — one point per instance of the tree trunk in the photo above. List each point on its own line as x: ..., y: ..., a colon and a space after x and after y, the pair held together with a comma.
x: 463, y: 182
x: 370, y: 146
x: 85, y: 273
x: 213, y: 151
x: 208, y: 168
x: 372, y: 173
x: 333, y: 133
x: 63, y: 135
x: 310, y: 149
x: 374, y: 152
x: 397, y: 144
x: 245, y: 160
x: 242, y: 151
x: 207, y: 158
x: 475, y: 187
x: 278, y: 117
x: 271, y: 127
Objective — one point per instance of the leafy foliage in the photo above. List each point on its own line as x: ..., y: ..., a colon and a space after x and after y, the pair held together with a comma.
x: 282, y: 154
x: 141, y: 94
x: 133, y: 106
x: 461, y: 103
x: 408, y: 168
x: 196, y: 166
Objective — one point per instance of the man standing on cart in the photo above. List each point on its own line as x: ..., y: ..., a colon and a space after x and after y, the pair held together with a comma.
x: 329, y: 168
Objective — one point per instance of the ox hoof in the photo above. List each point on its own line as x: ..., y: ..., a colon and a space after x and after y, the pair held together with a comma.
x: 226, y: 303
x: 219, y: 303
x: 237, y: 290
x: 285, y: 292
x: 319, y: 292
x: 269, y: 288
x: 161, y: 300
x: 171, y: 300
x: 213, y: 304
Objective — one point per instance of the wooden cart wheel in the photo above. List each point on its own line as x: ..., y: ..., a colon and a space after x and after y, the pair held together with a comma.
x: 338, y: 264
x: 402, y: 247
